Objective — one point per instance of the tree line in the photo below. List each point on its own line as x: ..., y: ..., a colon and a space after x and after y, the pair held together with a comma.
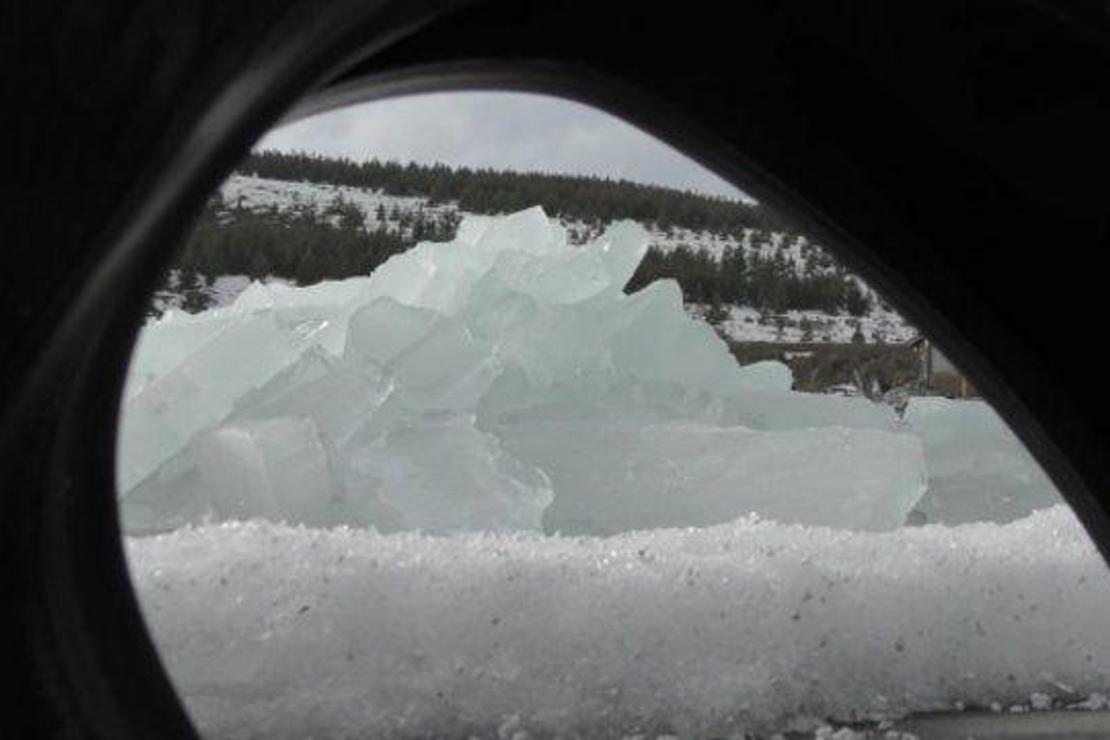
x: 593, y: 200
x: 772, y: 284
x: 307, y: 244
x: 296, y: 243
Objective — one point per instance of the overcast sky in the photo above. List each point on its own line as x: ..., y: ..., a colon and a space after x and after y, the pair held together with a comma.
x: 501, y: 130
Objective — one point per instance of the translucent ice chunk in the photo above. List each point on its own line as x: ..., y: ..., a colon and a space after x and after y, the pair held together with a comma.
x: 570, y: 275
x: 381, y: 329
x: 613, y: 476
x: 336, y: 394
x: 444, y: 475
x: 527, y: 231
x: 769, y: 375
x: 978, y: 469
x: 622, y: 247
x: 167, y: 343
x: 659, y: 341
x: 783, y: 410
x: 448, y: 368
x: 477, y: 384
x: 202, y: 390
x: 275, y: 468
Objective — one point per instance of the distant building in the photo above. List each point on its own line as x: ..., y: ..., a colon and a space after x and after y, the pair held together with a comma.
x: 938, y: 374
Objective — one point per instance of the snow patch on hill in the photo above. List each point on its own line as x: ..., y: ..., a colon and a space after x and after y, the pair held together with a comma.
x: 746, y: 324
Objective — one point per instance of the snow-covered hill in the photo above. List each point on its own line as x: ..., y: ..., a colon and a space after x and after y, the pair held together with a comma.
x: 743, y: 323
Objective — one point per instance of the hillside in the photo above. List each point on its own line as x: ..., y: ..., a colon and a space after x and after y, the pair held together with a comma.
x: 754, y: 280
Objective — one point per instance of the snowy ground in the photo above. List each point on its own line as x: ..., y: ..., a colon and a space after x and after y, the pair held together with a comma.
x: 259, y: 193
x: 273, y: 631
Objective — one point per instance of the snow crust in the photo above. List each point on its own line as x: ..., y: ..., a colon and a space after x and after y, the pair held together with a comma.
x: 499, y: 382
x: 277, y: 631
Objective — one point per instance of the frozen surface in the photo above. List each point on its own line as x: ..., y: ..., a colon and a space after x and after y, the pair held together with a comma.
x: 978, y: 469
x: 499, y: 382
x: 275, y: 631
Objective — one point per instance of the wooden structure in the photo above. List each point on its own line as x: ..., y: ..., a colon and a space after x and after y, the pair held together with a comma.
x: 938, y: 374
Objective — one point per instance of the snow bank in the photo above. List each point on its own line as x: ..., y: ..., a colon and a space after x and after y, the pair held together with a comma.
x: 978, y: 469
x: 275, y: 631
x: 500, y: 382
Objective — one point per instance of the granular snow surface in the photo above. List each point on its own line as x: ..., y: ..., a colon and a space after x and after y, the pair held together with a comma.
x: 751, y: 626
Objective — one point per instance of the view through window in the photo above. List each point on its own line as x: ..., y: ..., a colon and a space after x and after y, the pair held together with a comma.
x: 488, y: 415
